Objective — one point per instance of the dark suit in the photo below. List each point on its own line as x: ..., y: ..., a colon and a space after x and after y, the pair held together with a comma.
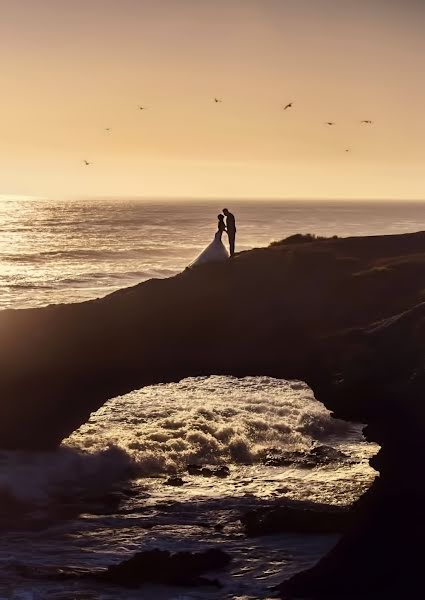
x: 231, y: 231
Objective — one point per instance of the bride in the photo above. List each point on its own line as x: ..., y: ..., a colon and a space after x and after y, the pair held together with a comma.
x: 216, y: 251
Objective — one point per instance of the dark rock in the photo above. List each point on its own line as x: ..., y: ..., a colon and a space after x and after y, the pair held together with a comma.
x: 207, y: 472
x: 160, y: 566
x: 278, y: 457
x: 150, y: 566
x: 318, y: 519
x: 174, y: 481
x: 220, y: 471
x: 194, y: 470
x: 323, y: 455
x: 317, y: 456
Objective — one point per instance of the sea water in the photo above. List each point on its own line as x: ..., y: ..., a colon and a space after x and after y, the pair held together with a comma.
x: 101, y: 497
x: 68, y: 251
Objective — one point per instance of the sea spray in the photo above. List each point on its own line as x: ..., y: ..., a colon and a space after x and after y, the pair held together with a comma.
x: 208, y: 420
x: 159, y: 430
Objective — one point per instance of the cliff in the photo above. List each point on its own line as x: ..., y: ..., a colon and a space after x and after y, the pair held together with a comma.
x: 344, y: 315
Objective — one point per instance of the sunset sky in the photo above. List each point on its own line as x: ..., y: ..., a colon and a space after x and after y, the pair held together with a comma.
x: 71, y: 68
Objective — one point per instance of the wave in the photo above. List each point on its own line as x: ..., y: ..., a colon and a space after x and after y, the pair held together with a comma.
x: 121, y: 278
x: 28, y: 286
x: 161, y: 429
x: 210, y: 420
x: 40, y: 478
x: 101, y: 254
x: 112, y: 280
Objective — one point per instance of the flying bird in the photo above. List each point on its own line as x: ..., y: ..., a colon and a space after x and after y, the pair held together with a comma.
x: 217, y: 100
x: 142, y: 107
x: 348, y: 150
x: 288, y: 106
x: 330, y: 123
x: 108, y: 129
x: 86, y: 162
x: 366, y: 122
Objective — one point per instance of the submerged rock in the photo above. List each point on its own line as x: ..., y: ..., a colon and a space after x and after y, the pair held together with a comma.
x: 149, y: 566
x: 174, y: 481
x: 317, y: 456
x: 160, y: 566
x: 194, y: 469
x: 220, y: 471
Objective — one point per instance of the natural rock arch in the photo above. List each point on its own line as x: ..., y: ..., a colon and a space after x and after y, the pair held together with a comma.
x: 344, y: 315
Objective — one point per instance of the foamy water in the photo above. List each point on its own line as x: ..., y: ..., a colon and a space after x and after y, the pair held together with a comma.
x: 135, y: 441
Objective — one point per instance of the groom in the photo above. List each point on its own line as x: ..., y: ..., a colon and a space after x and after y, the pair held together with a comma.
x: 231, y: 229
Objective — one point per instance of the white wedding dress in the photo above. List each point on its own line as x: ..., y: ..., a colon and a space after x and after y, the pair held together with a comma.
x: 215, y: 252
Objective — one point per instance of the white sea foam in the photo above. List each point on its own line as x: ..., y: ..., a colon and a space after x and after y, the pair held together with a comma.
x: 208, y: 420
x: 161, y: 429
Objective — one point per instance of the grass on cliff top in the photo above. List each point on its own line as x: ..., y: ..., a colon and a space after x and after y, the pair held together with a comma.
x: 302, y: 238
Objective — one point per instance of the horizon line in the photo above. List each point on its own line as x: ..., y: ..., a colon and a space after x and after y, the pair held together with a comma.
x: 192, y: 198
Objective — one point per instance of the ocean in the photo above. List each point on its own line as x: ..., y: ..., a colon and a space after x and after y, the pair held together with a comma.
x: 101, y: 497
x: 68, y: 251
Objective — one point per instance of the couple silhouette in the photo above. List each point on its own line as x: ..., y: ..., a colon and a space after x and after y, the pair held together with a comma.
x: 229, y: 227
x: 216, y: 251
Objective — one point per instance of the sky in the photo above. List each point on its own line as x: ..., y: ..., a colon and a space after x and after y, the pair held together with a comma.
x: 71, y: 69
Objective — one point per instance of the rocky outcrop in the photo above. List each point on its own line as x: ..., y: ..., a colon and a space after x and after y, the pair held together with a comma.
x: 149, y: 566
x: 382, y: 382
x: 344, y: 315
x: 160, y: 566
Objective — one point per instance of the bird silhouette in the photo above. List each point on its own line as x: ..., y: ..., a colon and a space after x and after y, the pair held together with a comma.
x: 347, y: 150
x: 366, y: 122
x: 86, y: 162
x: 217, y: 100
x: 142, y: 107
x: 108, y: 129
x: 330, y: 123
x: 288, y: 106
